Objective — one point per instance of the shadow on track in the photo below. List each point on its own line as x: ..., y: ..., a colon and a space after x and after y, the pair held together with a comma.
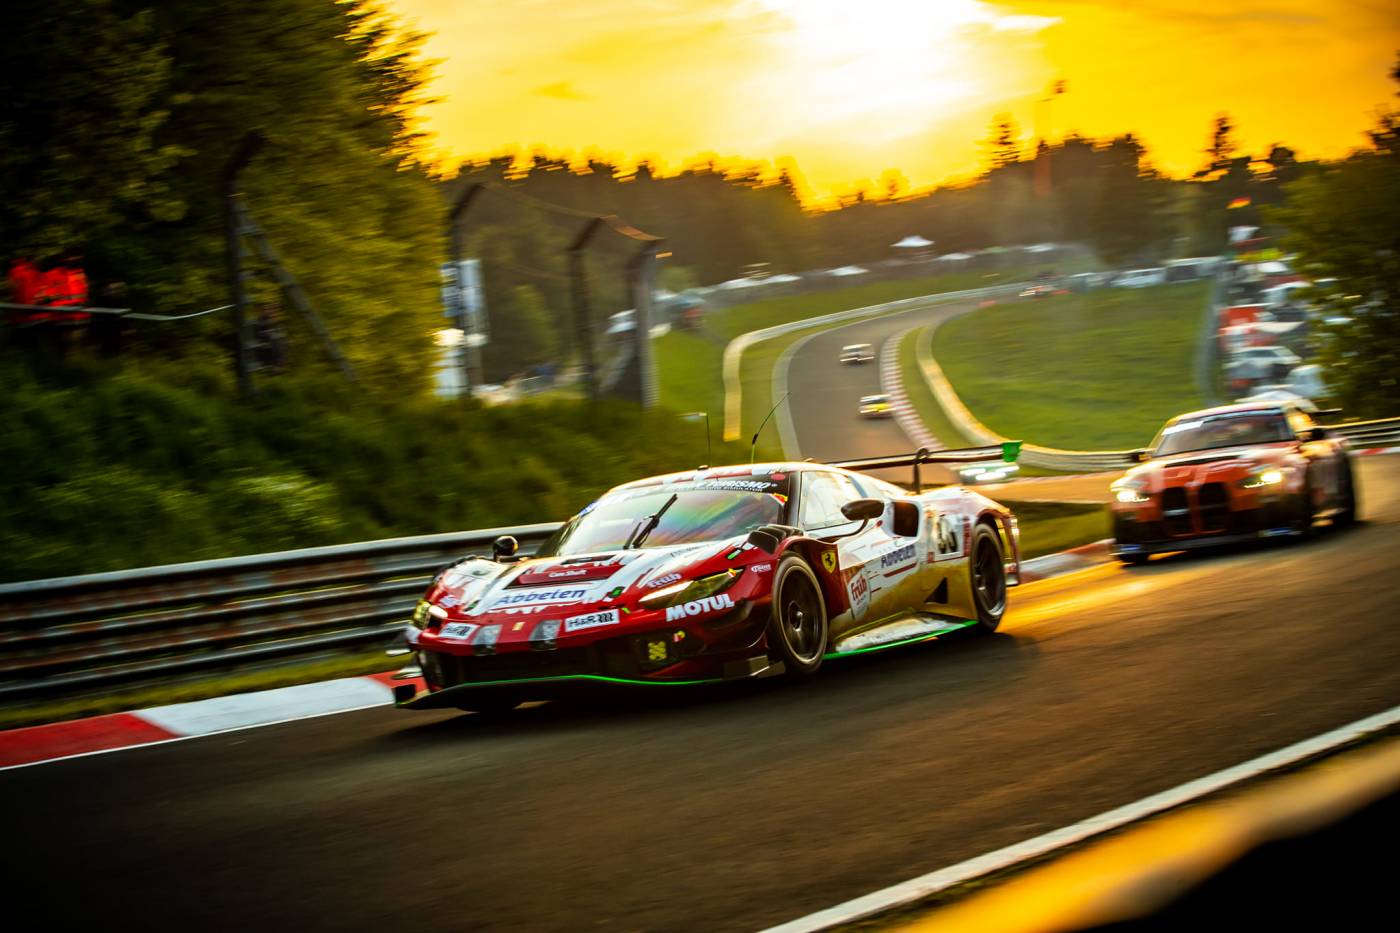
x: 963, y: 664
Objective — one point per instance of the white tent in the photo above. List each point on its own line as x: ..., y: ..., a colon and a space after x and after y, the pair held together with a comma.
x: 913, y: 242
x: 955, y: 257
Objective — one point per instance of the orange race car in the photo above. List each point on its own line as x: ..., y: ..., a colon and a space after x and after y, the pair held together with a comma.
x: 1230, y: 474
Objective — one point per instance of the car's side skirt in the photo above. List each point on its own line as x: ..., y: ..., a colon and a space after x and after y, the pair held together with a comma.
x: 895, y: 631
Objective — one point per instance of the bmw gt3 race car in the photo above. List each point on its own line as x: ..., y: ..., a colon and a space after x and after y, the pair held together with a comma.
x: 1229, y: 474
x: 715, y: 574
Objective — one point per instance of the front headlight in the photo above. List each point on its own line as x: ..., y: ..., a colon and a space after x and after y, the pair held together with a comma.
x: 1131, y: 490
x: 425, y: 611
x: 690, y: 590
x: 1261, y: 478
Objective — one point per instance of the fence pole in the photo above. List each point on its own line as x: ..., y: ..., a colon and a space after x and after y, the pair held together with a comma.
x: 583, y: 310
x: 639, y: 274
x: 457, y: 239
x: 247, y: 148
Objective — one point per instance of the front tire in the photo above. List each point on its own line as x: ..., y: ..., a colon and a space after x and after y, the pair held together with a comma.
x: 797, y: 628
x: 987, y: 570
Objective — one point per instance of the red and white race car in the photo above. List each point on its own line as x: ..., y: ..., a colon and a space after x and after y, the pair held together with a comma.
x: 715, y: 574
x: 1238, y: 472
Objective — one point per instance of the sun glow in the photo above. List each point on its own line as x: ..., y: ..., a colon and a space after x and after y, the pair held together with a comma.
x: 886, y: 59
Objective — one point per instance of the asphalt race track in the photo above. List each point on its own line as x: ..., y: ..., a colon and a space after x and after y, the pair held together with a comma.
x: 737, y: 808
x: 825, y: 397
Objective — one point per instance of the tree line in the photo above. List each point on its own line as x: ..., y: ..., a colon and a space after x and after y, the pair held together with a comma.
x: 121, y: 114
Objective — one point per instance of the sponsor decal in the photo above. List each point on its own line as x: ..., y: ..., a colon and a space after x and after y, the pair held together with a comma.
x: 561, y: 574
x: 462, y: 630
x: 761, y: 568
x: 899, y: 555
x: 517, y: 626
x: 859, y: 590
x: 591, y: 620
x: 522, y: 610
x: 699, y: 607
x: 448, y: 601
x: 656, y: 651
x: 829, y: 561
x: 560, y: 595
x: 660, y: 581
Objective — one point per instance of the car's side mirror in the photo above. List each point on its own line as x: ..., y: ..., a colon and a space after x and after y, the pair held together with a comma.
x: 1140, y: 456
x: 863, y: 510
x: 503, y: 549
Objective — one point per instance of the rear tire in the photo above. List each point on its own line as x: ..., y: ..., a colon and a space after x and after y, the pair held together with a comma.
x: 1347, y: 515
x: 797, y: 627
x: 1307, y: 513
x: 987, y: 572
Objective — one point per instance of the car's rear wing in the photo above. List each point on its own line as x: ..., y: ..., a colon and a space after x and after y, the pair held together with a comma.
x: 1006, y: 452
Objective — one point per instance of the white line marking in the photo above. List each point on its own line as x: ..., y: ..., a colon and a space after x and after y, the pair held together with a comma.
x: 916, y: 889
x: 243, y: 710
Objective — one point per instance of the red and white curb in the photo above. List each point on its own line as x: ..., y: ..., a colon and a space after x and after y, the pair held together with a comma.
x: 1372, y: 451
x: 161, y: 724
x: 892, y: 384
x: 96, y: 734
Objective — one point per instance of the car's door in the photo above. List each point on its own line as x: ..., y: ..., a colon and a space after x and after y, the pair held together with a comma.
x: 822, y: 494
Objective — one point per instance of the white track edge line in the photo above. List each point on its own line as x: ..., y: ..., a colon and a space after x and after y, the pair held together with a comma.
x: 916, y: 889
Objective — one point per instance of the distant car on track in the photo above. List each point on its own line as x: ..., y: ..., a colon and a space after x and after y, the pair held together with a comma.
x: 1238, y: 472
x: 876, y: 406
x: 713, y: 574
x: 857, y: 353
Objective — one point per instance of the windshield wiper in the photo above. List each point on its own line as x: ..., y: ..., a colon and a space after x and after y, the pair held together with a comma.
x: 635, y: 539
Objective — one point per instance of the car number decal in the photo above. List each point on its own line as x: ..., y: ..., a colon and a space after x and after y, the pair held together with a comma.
x: 591, y: 620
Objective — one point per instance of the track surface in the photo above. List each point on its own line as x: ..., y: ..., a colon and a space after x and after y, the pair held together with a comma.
x: 732, y: 809
x: 825, y: 397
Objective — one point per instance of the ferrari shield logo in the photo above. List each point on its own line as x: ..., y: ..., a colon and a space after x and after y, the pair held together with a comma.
x: 829, y: 561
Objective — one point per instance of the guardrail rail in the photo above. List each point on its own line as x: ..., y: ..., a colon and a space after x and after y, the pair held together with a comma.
x: 77, y: 634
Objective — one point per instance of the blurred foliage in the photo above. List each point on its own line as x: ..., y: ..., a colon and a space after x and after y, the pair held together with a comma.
x: 121, y: 115
x: 131, y: 465
x: 1344, y: 223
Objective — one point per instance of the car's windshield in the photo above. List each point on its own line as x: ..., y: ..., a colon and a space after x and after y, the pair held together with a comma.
x: 703, y: 510
x: 1231, y: 429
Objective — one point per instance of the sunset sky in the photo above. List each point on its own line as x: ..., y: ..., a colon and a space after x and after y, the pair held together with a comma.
x: 850, y: 88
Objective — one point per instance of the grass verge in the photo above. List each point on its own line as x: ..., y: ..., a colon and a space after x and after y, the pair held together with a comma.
x: 1096, y: 371
x: 1050, y: 527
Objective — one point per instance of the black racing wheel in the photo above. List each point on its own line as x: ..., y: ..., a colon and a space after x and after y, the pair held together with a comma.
x: 1346, y: 514
x: 988, y: 573
x: 797, y: 629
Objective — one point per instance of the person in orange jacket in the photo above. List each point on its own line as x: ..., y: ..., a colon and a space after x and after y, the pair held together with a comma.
x: 68, y: 288
x: 26, y: 284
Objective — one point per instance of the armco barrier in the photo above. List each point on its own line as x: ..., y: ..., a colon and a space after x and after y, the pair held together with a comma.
x: 88, y: 633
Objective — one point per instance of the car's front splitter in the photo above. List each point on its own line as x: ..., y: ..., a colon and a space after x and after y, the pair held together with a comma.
x: 1202, y: 542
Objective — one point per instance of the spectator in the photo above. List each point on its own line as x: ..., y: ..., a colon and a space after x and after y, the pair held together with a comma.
x: 26, y: 281
x: 67, y: 287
